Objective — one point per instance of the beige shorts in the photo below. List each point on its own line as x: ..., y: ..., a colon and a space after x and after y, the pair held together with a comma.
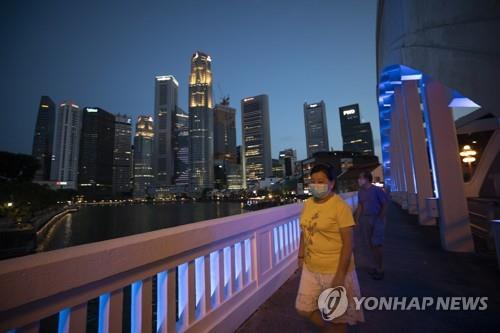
x: 312, y: 284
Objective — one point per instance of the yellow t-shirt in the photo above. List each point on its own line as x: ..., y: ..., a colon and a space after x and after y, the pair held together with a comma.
x: 320, y: 224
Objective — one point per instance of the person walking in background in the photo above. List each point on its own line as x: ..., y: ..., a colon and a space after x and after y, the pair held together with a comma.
x: 370, y: 217
x: 325, y: 252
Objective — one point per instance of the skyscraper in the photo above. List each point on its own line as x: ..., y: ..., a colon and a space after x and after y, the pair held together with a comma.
x: 224, y: 142
x: 288, y: 158
x: 356, y: 136
x: 225, y: 132
x: 181, y: 150
x: 66, y: 146
x: 44, y: 136
x: 143, y: 157
x: 201, y: 148
x: 166, y: 90
x: 316, y: 128
x: 95, y: 176
x: 256, y: 143
x: 122, y: 156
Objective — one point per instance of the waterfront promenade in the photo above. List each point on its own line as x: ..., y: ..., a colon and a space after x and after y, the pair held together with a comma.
x: 415, y: 265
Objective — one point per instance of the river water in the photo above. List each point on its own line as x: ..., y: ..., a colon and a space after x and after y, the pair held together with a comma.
x: 98, y: 223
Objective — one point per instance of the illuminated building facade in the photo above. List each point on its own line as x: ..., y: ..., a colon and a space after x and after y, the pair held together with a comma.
x: 66, y: 146
x: 224, y: 143
x: 143, y: 157
x: 288, y: 159
x: 122, y: 156
x: 316, y: 128
x: 256, y: 147
x: 181, y: 150
x: 225, y: 132
x: 166, y: 90
x: 356, y: 136
x: 201, y: 149
x: 44, y: 137
x: 95, y: 176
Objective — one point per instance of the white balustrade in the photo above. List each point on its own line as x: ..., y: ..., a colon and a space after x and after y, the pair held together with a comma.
x: 207, y: 276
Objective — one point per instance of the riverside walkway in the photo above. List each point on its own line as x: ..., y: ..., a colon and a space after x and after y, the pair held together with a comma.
x: 415, y: 265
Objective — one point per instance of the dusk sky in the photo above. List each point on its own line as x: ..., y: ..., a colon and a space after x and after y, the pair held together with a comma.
x: 100, y: 54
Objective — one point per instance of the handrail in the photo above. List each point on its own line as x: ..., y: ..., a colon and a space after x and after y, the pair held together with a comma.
x: 209, y: 268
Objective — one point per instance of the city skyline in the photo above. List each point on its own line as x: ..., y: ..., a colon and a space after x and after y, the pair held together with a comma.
x: 331, y: 81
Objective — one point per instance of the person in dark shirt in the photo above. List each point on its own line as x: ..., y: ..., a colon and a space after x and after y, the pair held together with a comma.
x: 370, y: 217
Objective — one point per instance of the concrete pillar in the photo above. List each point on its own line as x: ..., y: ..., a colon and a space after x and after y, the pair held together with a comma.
x: 395, y: 158
x: 406, y: 162
x: 454, y: 223
x: 418, y: 150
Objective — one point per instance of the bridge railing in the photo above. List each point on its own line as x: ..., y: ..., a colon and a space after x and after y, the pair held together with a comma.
x: 205, y: 276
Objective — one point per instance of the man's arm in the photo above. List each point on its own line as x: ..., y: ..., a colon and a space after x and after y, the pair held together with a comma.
x: 384, y: 201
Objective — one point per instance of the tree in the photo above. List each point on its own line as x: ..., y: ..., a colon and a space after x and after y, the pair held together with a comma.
x: 18, y: 167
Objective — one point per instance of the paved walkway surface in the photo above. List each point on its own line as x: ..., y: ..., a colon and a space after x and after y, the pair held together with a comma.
x: 415, y: 265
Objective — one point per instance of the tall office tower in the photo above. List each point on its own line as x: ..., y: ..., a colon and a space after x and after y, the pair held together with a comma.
x: 44, y: 137
x: 66, y: 146
x: 277, y: 168
x: 95, y: 176
x: 288, y: 158
x: 356, y: 136
x: 201, y: 147
x: 224, y: 142
x: 316, y: 127
x: 181, y: 150
x: 166, y: 90
x: 256, y: 141
x: 122, y: 156
x: 225, y: 132
x: 143, y: 157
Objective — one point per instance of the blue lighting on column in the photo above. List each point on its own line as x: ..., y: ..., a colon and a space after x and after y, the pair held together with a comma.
x: 423, y: 95
x: 214, y: 272
x: 161, y: 302
x: 237, y: 261
x: 63, y: 324
x: 199, y: 267
x: 275, y: 242
x: 103, y: 313
x: 182, y: 289
x: 248, y: 256
x: 135, y: 313
x: 227, y: 266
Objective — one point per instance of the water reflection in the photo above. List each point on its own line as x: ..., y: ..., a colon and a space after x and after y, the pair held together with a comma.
x: 97, y: 223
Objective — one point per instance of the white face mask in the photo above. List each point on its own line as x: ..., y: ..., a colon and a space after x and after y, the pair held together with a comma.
x: 319, y: 191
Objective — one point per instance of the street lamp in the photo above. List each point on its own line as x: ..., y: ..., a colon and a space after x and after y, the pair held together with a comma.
x: 468, y: 154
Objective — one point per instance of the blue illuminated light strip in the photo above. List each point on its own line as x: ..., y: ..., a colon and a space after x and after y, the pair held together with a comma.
x: 237, y: 261
x: 428, y: 133
x: 63, y: 324
x: 135, y: 307
x: 199, y: 268
x: 227, y: 267
x: 182, y: 285
x: 248, y: 258
x: 214, y: 272
x: 103, y: 320
x: 161, y: 302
